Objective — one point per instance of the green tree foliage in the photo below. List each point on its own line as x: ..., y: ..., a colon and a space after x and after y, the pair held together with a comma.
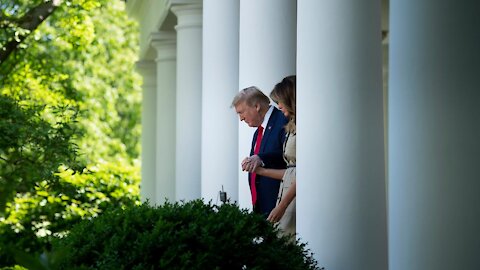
x: 69, y: 119
x: 18, y: 22
x: 50, y: 211
x: 31, y: 148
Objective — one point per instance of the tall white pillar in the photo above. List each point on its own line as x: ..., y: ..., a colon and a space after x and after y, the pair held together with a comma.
x: 189, y: 100
x: 220, y: 84
x: 434, y: 146
x: 267, y: 54
x: 341, y: 207
x: 165, y: 45
x: 147, y: 186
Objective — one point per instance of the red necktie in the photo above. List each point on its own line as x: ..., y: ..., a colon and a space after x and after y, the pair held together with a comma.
x: 253, y: 176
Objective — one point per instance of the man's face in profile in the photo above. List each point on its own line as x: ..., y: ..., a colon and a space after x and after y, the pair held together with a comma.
x: 249, y: 114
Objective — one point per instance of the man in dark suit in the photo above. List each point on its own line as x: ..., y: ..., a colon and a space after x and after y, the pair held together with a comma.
x: 253, y: 107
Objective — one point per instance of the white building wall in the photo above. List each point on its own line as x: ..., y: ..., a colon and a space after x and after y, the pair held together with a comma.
x: 267, y: 54
x: 151, y: 15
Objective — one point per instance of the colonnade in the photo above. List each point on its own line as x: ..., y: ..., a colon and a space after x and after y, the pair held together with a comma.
x: 427, y: 215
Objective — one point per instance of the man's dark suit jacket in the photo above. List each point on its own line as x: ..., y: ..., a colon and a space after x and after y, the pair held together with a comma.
x: 271, y: 153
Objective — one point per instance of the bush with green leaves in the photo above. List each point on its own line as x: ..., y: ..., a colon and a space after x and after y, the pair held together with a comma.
x: 36, y: 218
x: 192, y: 235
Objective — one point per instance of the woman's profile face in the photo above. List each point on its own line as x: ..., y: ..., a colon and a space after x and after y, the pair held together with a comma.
x: 282, y: 108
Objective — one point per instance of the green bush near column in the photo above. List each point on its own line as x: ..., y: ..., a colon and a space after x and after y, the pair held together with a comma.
x: 192, y: 235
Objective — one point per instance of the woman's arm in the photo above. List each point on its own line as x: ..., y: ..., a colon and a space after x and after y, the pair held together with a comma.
x: 272, y: 173
x: 278, y: 212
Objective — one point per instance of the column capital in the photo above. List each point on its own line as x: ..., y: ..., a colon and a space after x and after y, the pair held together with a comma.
x: 188, y: 16
x: 148, y: 70
x: 144, y: 65
x: 183, y: 2
x: 164, y: 43
x: 162, y: 37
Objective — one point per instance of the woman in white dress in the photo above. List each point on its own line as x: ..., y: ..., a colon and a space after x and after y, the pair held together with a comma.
x: 284, y: 94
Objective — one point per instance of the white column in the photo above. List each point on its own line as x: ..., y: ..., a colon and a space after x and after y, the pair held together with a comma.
x: 220, y: 84
x: 147, y: 187
x: 434, y: 146
x: 341, y: 207
x: 189, y: 100
x: 165, y: 45
x: 267, y: 54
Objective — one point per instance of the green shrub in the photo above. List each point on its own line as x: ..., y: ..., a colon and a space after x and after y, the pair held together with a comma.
x: 33, y: 220
x: 191, y: 235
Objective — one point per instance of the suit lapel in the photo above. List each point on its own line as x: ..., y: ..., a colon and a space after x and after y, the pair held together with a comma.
x: 268, y: 130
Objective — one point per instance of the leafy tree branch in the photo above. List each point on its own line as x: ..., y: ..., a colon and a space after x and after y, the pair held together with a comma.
x: 25, y: 25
